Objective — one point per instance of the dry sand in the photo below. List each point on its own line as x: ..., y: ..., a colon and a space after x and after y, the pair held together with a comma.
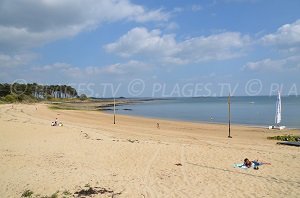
x: 135, y: 159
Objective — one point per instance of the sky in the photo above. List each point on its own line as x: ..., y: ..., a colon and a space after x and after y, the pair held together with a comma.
x: 157, y: 48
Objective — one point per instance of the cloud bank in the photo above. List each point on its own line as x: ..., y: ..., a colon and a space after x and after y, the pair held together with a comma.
x: 153, y: 45
x: 31, y: 23
x: 287, y: 41
x: 275, y: 65
x: 286, y: 38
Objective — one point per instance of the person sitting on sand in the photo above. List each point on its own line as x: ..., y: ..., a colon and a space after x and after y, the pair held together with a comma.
x: 55, y: 123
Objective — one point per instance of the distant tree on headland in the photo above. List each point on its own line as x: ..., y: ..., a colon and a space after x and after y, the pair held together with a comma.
x: 83, y: 97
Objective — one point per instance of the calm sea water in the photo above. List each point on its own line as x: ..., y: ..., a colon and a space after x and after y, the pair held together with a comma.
x: 258, y: 111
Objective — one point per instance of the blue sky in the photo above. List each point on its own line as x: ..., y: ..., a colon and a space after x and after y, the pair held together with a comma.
x: 166, y: 48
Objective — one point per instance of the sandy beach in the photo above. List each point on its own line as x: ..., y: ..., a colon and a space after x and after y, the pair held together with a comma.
x: 133, y: 158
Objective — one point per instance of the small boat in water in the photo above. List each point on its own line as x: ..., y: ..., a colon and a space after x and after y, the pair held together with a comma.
x: 277, y: 115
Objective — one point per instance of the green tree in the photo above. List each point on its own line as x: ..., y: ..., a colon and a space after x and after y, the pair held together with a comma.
x: 83, y: 97
x: 10, y: 98
x: 4, y: 89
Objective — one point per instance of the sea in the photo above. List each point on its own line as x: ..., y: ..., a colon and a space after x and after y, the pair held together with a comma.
x: 245, y: 110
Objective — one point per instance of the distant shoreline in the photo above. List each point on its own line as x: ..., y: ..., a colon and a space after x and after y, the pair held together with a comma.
x: 95, y: 104
x: 106, y: 106
x: 209, y: 109
x: 202, y: 122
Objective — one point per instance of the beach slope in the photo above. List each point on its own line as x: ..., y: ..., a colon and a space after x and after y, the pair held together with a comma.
x: 134, y: 158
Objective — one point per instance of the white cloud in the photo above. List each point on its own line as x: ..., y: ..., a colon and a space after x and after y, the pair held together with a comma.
x: 172, y: 26
x: 156, y: 15
x: 165, y: 49
x: 143, y: 42
x: 287, y: 40
x: 178, y: 10
x: 220, y: 46
x: 19, y: 39
x: 287, y: 37
x: 241, y: 1
x: 196, y: 8
x: 15, y: 60
x: 285, y: 64
x: 125, y: 68
x: 26, y: 24
x: 59, y: 69
x: 129, y: 67
x: 69, y: 70
x: 55, y: 66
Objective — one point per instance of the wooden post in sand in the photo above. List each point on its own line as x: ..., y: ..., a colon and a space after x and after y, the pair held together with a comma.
x: 229, y: 116
x: 114, y: 111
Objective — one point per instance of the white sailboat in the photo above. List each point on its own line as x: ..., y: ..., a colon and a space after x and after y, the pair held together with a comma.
x: 277, y: 115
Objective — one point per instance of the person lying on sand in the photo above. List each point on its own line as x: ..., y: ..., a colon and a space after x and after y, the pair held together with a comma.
x: 255, y: 163
x: 247, y: 163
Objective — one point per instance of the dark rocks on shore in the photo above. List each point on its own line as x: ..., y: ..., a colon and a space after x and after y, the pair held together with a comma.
x: 133, y: 141
x: 111, y: 109
x: 178, y: 164
x: 106, y: 109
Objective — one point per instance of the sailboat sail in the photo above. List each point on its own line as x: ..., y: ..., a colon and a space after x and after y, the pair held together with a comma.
x: 278, y: 110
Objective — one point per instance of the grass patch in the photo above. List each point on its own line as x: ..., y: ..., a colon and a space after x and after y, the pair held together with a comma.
x: 54, y: 195
x: 60, y: 107
x: 87, y: 191
x: 30, y: 194
x: 66, y: 193
x: 289, y: 138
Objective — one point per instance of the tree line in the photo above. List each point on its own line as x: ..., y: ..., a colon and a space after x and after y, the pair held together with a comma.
x: 34, y: 91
